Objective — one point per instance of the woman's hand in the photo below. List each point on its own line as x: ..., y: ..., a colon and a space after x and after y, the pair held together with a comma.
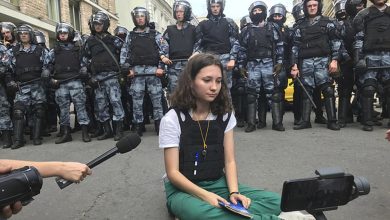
x: 235, y: 197
x: 213, y: 199
x: 388, y: 135
x: 74, y: 171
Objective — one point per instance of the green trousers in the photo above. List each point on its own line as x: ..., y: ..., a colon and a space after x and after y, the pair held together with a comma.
x: 264, y: 205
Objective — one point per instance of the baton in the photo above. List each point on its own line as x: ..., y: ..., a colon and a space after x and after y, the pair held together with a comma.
x: 306, y: 92
x: 59, y: 81
x: 28, y: 82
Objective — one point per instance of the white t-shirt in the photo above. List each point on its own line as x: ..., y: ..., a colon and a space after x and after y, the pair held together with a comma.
x: 169, y: 135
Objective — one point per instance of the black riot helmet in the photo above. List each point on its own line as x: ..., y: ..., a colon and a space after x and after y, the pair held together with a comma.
x: 8, y: 26
x: 23, y: 29
x: 99, y: 17
x: 319, y: 10
x: 65, y: 28
x: 40, y: 37
x: 262, y: 6
x: 245, y: 21
x: 350, y: 6
x: 121, y: 32
x: 210, y: 2
x: 297, y: 11
x: 185, y: 6
x: 137, y: 11
x: 278, y: 9
x: 339, y: 8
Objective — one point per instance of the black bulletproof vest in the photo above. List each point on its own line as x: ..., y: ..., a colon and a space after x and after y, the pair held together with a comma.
x: 181, y: 42
x: 286, y: 38
x: 143, y: 48
x: 101, y: 60
x: 260, y: 42
x: 348, y: 39
x: 377, y: 30
x: 28, y: 65
x: 211, y: 166
x: 216, y: 36
x: 315, y: 40
x: 67, y: 60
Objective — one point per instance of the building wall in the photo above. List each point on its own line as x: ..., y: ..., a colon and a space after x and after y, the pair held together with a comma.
x: 35, y: 13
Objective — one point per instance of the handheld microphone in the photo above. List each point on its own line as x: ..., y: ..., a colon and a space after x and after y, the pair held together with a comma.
x: 124, y: 145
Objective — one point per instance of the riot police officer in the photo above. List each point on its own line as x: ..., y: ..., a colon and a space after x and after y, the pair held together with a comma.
x: 68, y: 72
x: 102, y: 51
x: 218, y: 35
x: 181, y: 40
x: 29, y: 63
x: 263, y: 53
x: 141, y: 58
x: 314, y: 57
x: 8, y: 32
x: 346, y: 80
x: 6, y: 126
x: 372, y: 56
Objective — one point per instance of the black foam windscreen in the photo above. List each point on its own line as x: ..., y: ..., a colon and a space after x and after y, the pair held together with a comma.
x: 128, y: 143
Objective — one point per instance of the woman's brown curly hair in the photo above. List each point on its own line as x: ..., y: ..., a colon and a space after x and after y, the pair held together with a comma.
x: 183, y: 97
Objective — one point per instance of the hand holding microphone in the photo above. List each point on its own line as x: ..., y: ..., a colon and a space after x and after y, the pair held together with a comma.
x: 125, y: 145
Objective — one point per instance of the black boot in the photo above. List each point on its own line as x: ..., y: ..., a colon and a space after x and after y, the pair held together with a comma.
x: 367, y: 110
x: 7, y: 139
x: 331, y: 113
x: 18, y: 134
x: 66, y: 137
x: 138, y: 128
x: 277, y: 117
x: 251, y: 114
x: 262, y: 107
x: 157, y: 126
x: 98, y: 130
x: 84, y: 133
x: 61, y: 132
x: 306, y: 110
x: 107, y: 131
x: 342, y: 111
x: 37, y: 129
x: 118, y: 130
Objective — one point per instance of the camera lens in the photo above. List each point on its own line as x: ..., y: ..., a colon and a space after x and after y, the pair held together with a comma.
x: 362, y: 185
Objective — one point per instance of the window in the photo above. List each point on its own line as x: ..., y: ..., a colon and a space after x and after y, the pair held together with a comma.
x: 53, y: 10
x: 74, y: 12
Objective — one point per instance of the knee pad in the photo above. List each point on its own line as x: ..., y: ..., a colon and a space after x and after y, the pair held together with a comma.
x: 251, y: 98
x: 276, y: 97
x: 39, y: 110
x: 368, y: 91
x: 328, y: 92
x: 18, y: 114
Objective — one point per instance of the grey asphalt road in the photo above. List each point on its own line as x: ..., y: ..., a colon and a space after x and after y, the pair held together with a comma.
x: 129, y: 186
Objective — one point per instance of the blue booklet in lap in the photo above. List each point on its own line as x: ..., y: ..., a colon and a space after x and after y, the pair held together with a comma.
x: 237, y: 209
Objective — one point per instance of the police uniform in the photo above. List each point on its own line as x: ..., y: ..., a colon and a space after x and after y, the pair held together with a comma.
x: 315, y: 44
x: 142, y: 50
x: 263, y: 48
x: 66, y: 58
x: 218, y: 35
x: 104, y: 69
x: 6, y: 126
x: 27, y: 64
x: 372, y: 49
x: 181, y: 45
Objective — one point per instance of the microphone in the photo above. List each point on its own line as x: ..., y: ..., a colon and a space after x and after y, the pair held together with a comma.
x: 124, y: 145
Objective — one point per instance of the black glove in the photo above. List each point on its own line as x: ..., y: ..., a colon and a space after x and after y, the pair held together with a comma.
x: 278, y: 68
x: 84, y: 73
x: 54, y: 84
x: 93, y: 83
x: 3, y: 69
x: 361, y: 66
x: 125, y: 69
x: 13, y: 86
